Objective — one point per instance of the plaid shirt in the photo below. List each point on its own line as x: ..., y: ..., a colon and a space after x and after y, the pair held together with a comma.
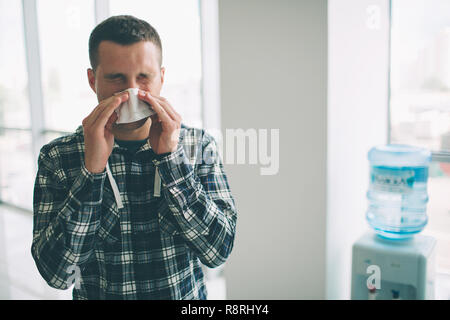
x: 152, y: 247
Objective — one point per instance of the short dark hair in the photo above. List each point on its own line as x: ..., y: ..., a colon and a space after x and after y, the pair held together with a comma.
x: 124, y: 30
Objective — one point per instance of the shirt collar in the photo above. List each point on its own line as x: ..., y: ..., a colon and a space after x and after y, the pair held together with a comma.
x: 144, y: 147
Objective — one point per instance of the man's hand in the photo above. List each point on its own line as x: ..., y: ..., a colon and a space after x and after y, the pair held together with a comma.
x: 166, y: 123
x: 98, y: 137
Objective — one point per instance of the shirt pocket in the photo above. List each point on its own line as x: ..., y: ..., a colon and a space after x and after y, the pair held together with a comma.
x: 145, y: 240
x: 167, y: 223
x: 109, y: 230
x: 145, y: 227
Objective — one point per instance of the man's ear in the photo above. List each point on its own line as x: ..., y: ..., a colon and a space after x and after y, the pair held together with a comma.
x: 163, y: 70
x: 91, y: 78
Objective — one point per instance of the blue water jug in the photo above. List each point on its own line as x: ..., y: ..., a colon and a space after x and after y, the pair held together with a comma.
x: 398, y: 190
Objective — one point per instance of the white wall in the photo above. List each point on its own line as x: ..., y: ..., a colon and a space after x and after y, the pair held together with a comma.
x: 358, y: 48
x: 274, y: 75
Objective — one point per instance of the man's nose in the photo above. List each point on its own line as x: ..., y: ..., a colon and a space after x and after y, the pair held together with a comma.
x: 132, y: 83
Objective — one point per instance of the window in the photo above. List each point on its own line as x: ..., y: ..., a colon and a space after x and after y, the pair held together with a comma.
x: 14, y: 104
x: 420, y: 101
x: 16, y: 160
x: 64, y: 29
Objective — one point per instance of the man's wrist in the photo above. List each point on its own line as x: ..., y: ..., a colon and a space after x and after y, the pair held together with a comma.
x: 162, y: 155
x: 173, y: 166
x: 92, y: 175
x: 166, y: 156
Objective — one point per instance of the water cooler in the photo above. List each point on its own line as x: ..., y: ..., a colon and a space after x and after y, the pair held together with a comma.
x: 393, y: 261
x: 388, y: 269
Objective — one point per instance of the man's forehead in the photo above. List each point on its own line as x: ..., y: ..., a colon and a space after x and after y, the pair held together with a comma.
x: 114, y: 55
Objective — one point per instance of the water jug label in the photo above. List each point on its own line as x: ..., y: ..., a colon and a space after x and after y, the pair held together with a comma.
x: 396, y: 180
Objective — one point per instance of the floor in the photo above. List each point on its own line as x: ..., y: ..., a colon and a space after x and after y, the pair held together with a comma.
x: 19, y: 278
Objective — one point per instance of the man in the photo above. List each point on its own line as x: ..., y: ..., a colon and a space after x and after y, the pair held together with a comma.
x: 131, y: 211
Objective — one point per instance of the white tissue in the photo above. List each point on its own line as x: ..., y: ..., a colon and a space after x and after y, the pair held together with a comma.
x: 133, y: 109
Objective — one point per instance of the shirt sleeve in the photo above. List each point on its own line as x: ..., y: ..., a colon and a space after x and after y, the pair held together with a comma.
x: 65, y: 219
x: 200, y: 201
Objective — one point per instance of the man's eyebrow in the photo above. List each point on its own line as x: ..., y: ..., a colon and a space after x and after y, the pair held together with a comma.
x: 121, y: 75
x: 114, y: 75
x: 146, y: 74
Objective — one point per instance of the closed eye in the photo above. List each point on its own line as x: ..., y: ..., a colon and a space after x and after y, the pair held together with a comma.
x: 115, y: 77
x: 145, y: 76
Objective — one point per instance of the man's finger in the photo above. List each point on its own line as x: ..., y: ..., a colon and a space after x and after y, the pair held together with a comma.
x: 160, y: 111
x: 168, y: 107
x: 90, y: 120
x: 93, y: 115
x: 111, y: 102
x: 104, y: 116
x: 113, y: 118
